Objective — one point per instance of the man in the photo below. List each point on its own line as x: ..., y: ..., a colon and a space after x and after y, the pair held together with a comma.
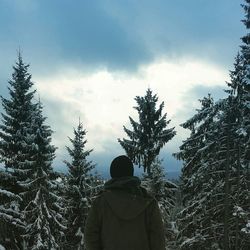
x: 124, y: 216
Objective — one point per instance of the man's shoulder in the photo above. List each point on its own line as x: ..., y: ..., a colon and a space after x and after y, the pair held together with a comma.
x: 99, y: 198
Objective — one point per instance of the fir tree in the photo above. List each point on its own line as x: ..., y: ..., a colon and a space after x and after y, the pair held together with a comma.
x: 11, y: 222
x: 214, y: 183
x: 15, y: 130
x: 164, y: 192
x: 243, y: 94
x: 15, y: 145
x: 196, y: 220
x: 149, y: 135
x: 240, y: 94
x: 43, y: 212
x: 80, y: 188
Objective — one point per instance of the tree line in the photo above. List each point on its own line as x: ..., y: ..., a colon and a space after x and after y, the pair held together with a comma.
x: 43, y: 209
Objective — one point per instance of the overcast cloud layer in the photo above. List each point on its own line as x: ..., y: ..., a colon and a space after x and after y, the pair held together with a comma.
x: 89, y: 59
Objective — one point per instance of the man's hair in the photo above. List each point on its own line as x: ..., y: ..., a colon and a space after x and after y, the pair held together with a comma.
x: 121, y: 166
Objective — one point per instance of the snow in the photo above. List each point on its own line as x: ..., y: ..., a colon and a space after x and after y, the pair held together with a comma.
x: 79, y: 232
x: 47, y: 210
x: 37, y: 197
x: 246, y: 229
x: 238, y: 211
x: 9, y: 194
x: 39, y: 243
x: 59, y: 179
x: 5, y: 216
x: 242, y: 132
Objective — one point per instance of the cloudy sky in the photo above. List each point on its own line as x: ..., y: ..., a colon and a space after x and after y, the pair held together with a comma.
x: 89, y: 59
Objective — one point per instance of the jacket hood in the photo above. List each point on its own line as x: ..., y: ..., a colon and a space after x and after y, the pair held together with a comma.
x: 130, y: 182
x: 126, y: 198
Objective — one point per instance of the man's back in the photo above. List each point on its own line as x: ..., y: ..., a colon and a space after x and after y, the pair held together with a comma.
x: 124, y: 217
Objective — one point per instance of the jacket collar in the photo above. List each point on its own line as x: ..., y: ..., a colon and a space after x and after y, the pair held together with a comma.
x: 123, y: 183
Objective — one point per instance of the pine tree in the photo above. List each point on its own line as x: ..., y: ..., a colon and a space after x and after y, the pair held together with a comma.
x: 43, y: 212
x: 214, y: 182
x: 15, y: 132
x: 229, y: 163
x: 164, y: 192
x: 149, y: 135
x: 197, y: 182
x: 11, y: 222
x: 239, y: 93
x: 80, y: 189
x: 243, y: 97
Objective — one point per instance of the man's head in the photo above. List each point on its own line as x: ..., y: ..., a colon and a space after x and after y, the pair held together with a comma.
x: 121, y: 166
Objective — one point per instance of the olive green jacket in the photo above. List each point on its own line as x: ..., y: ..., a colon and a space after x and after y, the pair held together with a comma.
x: 124, y: 217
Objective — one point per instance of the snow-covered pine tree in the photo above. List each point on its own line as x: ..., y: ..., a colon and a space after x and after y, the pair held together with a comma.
x: 230, y: 154
x: 196, y: 220
x: 244, y: 102
x: 227, y: 168
x: 79, y: 189
x: 239, y: 97
x: 16, y: 121
x: 43, y: 212
x: 164, y: 192
x: 237, y: 120
x: 214, y: 178
x: 149, y: 134
x: 11, y: 223
x: 224, y: 159
x: 15, y: 132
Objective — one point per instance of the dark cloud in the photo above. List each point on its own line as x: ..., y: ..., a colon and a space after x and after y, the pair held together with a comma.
x: 63, y: 32
x: 176, y: 28
x: 119, y: 35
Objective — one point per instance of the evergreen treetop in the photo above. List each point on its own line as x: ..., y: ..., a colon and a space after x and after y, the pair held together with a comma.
x: 16, y: 121
x: 149, y: 134
x: 80, y: 189
x: 79, y: 166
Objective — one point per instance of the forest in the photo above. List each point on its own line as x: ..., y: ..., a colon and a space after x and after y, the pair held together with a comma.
x: 207, y: 208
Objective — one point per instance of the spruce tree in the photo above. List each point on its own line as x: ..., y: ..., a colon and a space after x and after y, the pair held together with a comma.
x: 80, y: 189
x: 214, y: 181
x: 243, y: 94
x: 149, y: 134
x: 164, y: 192
x: 43, y: 212
x: 15, y: 144
x: 240, y: 181
x: 217, y: 170
x: 11, y: 221
x: 197, y: 182
x: 16, y: 121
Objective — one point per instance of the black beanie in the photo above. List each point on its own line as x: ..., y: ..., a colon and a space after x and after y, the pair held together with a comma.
x: 121, y: 166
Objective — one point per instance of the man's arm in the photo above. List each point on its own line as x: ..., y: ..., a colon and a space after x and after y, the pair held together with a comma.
x: 156, y: 229
x: 93, y: 228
